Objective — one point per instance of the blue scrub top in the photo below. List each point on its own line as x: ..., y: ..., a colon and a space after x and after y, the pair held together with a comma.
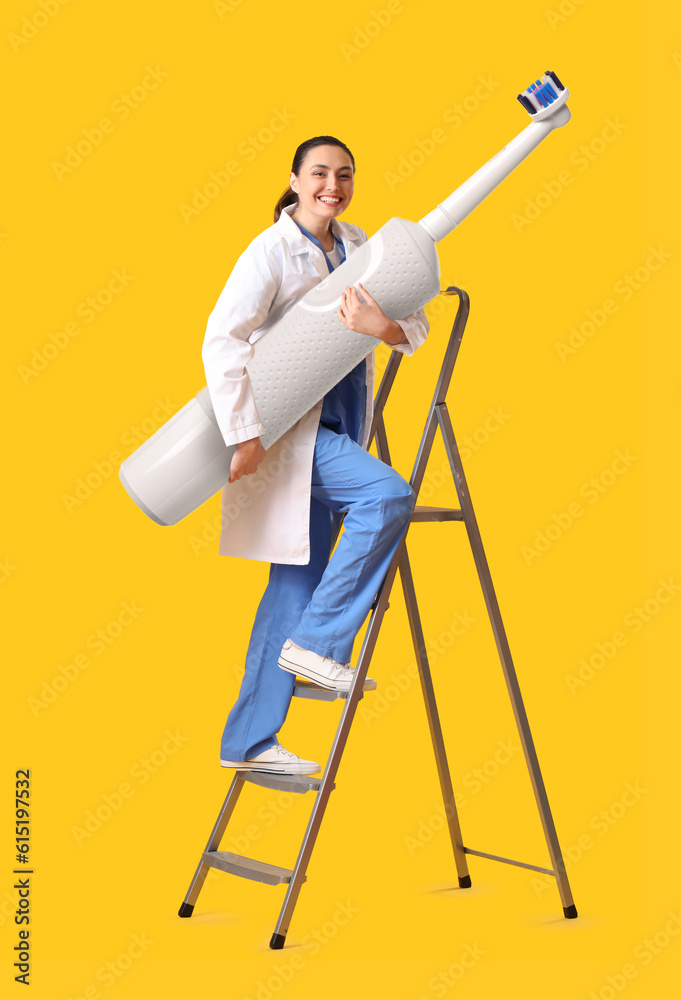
x: 344, y: 406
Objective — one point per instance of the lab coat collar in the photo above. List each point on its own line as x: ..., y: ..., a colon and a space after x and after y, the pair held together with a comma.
x: 299, y: 243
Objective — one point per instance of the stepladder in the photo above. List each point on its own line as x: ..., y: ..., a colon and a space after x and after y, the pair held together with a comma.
x: 321, y: 787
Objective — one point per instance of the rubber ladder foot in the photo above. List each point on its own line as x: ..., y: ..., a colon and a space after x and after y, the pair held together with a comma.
x: 186, y: 910
x: 277, y: 941
x: 464, y: 882
x: 570, y: 911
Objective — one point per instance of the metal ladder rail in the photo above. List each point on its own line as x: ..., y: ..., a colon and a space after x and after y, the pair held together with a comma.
x: 272, y: 874
x: 400, y: 560
x: 439, y: 416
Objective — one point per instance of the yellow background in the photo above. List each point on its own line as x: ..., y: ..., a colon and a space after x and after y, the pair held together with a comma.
x: 70, y: 567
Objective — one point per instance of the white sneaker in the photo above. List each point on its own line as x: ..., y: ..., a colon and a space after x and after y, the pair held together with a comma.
x: 275, y: 760
x: 323, y: 670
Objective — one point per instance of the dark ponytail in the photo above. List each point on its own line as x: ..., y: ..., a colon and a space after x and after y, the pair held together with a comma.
x: 289, y: 196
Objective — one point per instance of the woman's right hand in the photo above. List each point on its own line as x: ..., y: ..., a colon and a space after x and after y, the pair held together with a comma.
x: 246, y: 459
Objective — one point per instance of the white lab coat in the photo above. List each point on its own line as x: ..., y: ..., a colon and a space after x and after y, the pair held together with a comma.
x: 266, y: 515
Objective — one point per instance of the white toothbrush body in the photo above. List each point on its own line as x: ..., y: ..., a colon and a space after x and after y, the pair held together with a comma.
x: 309, y: 350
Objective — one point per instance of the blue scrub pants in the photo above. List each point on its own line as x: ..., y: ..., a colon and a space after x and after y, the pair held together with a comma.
x: 323, y: 604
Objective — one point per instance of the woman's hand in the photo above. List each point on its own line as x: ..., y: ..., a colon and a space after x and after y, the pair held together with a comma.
x: 368, y: 317
x: 246, y: 459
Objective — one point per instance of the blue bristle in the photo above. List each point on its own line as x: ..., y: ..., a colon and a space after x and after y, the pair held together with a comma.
x: 543, y: 92
x: 547, y: 95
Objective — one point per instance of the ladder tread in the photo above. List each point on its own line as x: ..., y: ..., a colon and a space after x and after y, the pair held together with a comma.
x: 284, y: 782
x: 306, y: 689
x: 436, y: 514
x: 237, y: 864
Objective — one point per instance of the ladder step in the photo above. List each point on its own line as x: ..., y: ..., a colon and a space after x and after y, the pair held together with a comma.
x: 258, y: 871
x: 306, y: 689
x: 436, y: 514
x: 284, y: 782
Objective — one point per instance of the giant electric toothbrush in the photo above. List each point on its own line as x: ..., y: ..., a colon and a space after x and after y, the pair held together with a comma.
x: 309, y: 350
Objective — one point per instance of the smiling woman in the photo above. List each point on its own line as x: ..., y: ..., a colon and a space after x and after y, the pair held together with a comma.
x: 313, y: 606
x: 320, y: 191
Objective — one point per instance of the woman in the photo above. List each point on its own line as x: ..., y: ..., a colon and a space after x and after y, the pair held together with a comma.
x: 284, y: 505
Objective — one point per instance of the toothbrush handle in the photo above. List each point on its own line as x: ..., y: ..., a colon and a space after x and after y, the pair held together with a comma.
x: 447, y: 216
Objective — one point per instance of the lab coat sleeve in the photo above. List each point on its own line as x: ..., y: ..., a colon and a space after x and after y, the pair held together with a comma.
x: 415, y: 328
x: 241, y: 309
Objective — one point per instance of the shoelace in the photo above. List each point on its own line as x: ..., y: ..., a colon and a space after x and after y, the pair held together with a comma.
x: 280, y: 749
x: 344, y: 669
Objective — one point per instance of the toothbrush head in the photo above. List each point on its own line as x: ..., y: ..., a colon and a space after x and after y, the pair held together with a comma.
x: 543, y: 97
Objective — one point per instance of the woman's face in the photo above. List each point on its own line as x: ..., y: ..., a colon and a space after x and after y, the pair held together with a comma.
x: 325, y: 183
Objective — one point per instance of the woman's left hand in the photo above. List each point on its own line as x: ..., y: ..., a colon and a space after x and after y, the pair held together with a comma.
x: 368, y: 317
